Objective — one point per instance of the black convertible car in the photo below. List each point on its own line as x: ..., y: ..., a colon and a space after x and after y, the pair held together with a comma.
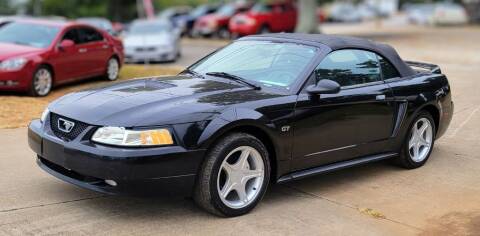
x: 264, y: 109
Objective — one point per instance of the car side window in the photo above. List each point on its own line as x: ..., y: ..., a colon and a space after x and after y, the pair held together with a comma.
x: 388, y: 70
x: 72, y: 35
x: 349, y: 67
x: 88, y: 35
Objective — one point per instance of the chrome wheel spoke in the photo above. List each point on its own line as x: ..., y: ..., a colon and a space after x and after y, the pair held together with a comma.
x: 422, y: 129
x: 243, y: 160
x: 423, y: 142
x: 242, y: 194
x: 227, y: 188
x: 250, y: 174
x: 412, y: 142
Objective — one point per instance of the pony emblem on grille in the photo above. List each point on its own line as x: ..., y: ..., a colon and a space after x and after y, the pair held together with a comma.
x: 65, y: 125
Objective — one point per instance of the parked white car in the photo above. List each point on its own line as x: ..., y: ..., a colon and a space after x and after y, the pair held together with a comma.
x: 449, y: 14
x: 437, y: 14
x: 152, y: 41
x: 344, y: 12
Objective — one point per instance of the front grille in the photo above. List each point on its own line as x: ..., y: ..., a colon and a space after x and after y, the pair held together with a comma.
x: 77, y: 129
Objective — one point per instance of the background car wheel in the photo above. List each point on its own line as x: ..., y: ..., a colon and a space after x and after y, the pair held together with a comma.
x: 264, y: 30
x: 224, y: 33
x: 113, y: 69
x: 42, y: 82
x: 418, y: 144
x: 234, y: 176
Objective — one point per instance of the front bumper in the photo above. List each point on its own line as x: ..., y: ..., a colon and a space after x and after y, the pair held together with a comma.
x: 204, y: 30
x: 137, y: 171
x: 15, y: 80
x: 157, y: 55
x: 243, y: 29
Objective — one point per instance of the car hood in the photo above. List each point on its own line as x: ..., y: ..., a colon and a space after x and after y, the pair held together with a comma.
x: 155, y: 101
x: 9, y: 50
x: 147, y: 40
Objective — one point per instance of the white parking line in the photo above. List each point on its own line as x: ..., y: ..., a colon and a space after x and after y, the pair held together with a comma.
x: 469, y: 117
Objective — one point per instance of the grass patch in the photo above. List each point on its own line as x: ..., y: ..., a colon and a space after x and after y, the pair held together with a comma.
x: 17, y: 110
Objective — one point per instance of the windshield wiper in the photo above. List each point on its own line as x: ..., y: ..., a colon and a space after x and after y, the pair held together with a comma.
x: 235, y: 78
x: 192, y: 72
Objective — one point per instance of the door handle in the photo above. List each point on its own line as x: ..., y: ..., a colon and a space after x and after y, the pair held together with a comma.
x: 380, y: 97
x: 82, y: 50
x: 105, y: 46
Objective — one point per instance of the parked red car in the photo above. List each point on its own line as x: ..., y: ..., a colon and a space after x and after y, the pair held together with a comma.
x: 36, y: 55
x: 217, y: 23
x: 265, y: 18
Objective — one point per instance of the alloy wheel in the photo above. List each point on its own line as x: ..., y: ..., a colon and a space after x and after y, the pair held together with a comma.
x: 113, y: 68
x: 42, y: 82
x: 421, y: 140
x: 241, y: 176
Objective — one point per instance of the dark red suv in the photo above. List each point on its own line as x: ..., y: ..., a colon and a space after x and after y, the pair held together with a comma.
x: 265, y: 18
x: 35, y: 55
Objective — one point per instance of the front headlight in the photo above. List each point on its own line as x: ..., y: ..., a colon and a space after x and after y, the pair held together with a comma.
x: 123, y: 137
x: 44, y: 115
x: 13, y: 64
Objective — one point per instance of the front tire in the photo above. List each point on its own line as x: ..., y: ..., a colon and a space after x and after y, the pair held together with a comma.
x: 42, y: 82
x: 224, y: 33
x: 419, y: 141
x: 234, y: 176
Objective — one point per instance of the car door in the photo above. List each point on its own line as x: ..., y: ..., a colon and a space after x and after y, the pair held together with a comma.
x: 68, y: 62
x: 95, y: 49
x: 290, y: 18
x: 277, y: 18
x: 355, y: 122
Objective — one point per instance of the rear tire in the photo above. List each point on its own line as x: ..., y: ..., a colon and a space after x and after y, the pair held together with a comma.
x: 42, y: 82
x: 418, y: 143
x: 113, y: 69
x: 264, y: 30
x: 224, y: 33
x: 234, y: 176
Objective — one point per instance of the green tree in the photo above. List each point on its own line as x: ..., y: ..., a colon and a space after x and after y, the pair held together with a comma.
x: 6, y: 8
x: 307, y: 17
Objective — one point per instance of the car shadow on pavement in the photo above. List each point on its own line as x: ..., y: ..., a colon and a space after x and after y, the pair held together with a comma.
x: 161, y: 207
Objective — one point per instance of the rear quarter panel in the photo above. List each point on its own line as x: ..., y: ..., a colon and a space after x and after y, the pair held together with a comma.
x: 418, y: 92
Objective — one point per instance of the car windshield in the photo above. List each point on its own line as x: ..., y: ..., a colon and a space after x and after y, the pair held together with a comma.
x: 226, y: 10
x: 261, y: 8
x: 269, y: 64
x: 149, y: 28
x: 29, y: 34
x: 199, y: 11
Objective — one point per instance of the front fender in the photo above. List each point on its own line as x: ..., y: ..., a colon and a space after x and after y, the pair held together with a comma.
x: 233, y: 119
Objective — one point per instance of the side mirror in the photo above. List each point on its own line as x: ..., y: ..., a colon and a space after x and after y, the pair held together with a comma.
x: 67, y: 43
x: 324, y: 86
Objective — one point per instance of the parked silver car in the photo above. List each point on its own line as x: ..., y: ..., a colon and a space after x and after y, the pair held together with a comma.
x: 152, y: 41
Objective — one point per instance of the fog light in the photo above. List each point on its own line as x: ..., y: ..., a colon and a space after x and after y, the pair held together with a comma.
x: 111, y: 182
x: 11, y: 83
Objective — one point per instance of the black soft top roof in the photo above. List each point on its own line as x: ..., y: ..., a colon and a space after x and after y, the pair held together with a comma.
x: 336, y: 42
